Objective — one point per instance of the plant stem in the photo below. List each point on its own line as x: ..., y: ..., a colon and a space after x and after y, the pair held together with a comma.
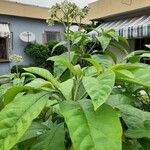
x: 68, y: 45
x: 77, y: 84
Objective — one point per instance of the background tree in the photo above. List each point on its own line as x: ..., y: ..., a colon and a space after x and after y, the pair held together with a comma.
x: 67, y: 13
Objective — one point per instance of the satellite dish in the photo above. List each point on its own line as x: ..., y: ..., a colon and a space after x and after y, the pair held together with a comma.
x: 74, y: 28
x: 27, y: 36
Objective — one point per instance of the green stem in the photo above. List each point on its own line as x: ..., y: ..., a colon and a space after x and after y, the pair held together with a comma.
x: 77, y: 84
x: 68, y: 45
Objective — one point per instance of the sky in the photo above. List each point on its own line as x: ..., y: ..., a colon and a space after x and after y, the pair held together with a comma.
x: 49, y: 3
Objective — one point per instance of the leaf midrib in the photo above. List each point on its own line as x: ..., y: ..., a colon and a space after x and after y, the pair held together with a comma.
x: 84, y: 114
x: 22, y: 114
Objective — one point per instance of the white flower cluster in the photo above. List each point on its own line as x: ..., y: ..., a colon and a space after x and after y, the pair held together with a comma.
x: 16, y: 58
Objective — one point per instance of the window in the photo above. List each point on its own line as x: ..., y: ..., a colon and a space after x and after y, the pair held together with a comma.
x: 4, y: 41
x: 3, y: 49
x: 50, y: 35
x: 140, y: 45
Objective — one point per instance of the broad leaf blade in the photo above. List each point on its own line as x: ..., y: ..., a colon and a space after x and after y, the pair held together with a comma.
x: 119, y: 47
x: 113, y: 34
x: 92, y: 130
x: 38, y: 83
x: 3, y: 89
x: 99, y: 88
x: 128, y: 66
x: 36, y: 129
x: 141, y: 76
x: 13, y: 91
x: 17, y: 116
x: 52, y: 139
x: 62, y: 61
x: 104, y: 41
x: 124, y: 74
x: 123, y: 40
x: 116, y: 100
x: 103, y: 59
x: 43, y: 73
x: 138, y: 121
x: 59, y: 69
x: 66, y: 89
x: 112, y: 55
x: 96, y: 64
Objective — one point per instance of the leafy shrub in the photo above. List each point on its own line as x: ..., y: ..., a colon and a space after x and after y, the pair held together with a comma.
x: 40, y: 53
x: 58, y: 51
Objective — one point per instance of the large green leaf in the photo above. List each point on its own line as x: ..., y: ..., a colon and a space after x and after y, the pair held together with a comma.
x: 99, y: 88
x: 77, y: 40
x: 3, y: 89
x: 38, y: 83
x: 116, y: 100
x: 62, y: 61
x: 96, y: 64
x: 17, y: 116
x: 112, y: 55
x: 92, y: 130
x: 112, y: 33
x: 135, y: 56
x: 119, y: 47
x: 52, y: 139
x: 43, y: 73
x: 141, y: 77
x: 7, y: 76
x: 138, y: 121
x: 89, y: 71
x: 124, y: 74
x: 59, y: 68
x: 13, y: 91
x: 103, y: 59
x: 133, y: 73
x: 66, y: 89
x: 104, y: 41
x: 36, y: 129
x: 128, y: 66
x: 123, y: 40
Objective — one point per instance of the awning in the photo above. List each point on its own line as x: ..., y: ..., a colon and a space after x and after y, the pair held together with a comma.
x: 4, y: 30
x: 137, y: 27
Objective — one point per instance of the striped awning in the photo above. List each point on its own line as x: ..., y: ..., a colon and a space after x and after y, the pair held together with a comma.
x: 4, y: 30
x: 137, y: 27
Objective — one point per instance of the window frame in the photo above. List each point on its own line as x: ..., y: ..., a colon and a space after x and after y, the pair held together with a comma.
x: 55, y: 32
x: 7, y: 50
x: 8, y: 40
x: 141, y: 42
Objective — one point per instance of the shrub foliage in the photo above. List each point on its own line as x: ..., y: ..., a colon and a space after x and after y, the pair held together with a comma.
x: 41, y: 52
